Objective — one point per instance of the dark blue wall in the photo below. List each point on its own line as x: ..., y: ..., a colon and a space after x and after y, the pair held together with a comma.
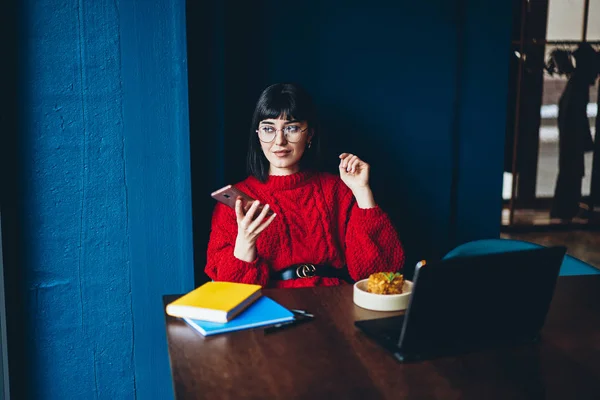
x: 417, y: 89
x: 9, y: 261
x: 481, y: 120
x: 106, y: 197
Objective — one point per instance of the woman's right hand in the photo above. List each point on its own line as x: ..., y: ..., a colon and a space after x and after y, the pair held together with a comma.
x: 249, y: 227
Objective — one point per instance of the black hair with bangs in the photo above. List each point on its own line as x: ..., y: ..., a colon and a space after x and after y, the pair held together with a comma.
x: 293, y: 102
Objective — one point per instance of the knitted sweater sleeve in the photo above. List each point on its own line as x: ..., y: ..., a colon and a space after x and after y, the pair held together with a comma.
x: 371, y: 242
x: 221, y: 264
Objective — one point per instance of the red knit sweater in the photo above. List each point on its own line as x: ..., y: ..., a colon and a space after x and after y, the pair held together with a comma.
x: 318, y: 222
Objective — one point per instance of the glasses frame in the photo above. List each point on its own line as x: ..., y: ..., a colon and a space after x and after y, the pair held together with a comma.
x: 284, y: 134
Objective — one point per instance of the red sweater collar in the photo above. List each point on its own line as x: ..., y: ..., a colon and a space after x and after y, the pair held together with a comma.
x: 283, y: 182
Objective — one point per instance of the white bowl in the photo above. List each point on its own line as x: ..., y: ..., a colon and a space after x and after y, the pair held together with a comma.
x: 381, y: 302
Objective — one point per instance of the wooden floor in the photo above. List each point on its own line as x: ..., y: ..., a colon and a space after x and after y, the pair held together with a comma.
x: 584, y: 245
x: 531, y: 219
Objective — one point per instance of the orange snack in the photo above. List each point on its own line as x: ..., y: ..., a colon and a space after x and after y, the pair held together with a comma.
x: 385, y: 283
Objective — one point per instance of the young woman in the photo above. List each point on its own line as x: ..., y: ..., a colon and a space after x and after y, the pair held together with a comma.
x: 324, y: 230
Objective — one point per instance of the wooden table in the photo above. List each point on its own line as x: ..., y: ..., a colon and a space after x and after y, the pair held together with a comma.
x: 330, y: 358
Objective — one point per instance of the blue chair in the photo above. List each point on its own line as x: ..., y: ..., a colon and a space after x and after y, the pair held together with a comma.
x: 570, y: 265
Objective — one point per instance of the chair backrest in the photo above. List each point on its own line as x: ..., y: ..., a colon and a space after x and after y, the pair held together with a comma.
x: 570, y: 265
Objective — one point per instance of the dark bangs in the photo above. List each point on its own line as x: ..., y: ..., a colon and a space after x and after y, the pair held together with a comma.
x: 284, y: 102
x: 293, y: 102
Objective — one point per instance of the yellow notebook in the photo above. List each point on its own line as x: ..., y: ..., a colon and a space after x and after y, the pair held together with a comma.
x: 215, y: 301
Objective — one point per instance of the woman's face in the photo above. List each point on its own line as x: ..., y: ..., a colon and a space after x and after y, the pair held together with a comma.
x: 283, y: 142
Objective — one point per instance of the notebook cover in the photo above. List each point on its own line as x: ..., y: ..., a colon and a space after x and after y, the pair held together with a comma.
x: 216, y: 300
x: 262, y: 312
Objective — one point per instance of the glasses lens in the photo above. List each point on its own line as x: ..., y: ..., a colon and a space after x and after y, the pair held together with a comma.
x: 292, y: 129
x: 266, y: 133
x: 293, y: 133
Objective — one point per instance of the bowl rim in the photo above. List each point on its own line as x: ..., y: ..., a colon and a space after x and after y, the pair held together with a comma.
x: 377, y: 295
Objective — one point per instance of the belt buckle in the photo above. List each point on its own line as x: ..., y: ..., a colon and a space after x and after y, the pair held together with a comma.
x: 305, y: 271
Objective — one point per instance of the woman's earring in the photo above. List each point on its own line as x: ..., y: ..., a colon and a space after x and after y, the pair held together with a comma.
x: 309, y: 143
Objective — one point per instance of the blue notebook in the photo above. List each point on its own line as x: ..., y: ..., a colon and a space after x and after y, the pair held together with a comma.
x: 262, y: 312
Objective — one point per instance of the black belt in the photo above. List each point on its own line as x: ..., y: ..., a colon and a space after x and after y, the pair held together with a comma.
x: 299, y: 271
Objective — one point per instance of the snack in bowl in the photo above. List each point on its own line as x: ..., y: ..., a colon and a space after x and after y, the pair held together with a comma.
x: 385, y: 283
x: 389, y: 291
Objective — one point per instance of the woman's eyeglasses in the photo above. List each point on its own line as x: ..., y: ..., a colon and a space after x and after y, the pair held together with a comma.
x: 292, y: 133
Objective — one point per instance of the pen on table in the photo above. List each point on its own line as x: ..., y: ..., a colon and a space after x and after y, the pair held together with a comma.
x: 303, y: 312
x: 284, y: 325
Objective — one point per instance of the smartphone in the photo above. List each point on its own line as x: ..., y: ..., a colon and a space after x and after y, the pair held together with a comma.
x: 228, y: 195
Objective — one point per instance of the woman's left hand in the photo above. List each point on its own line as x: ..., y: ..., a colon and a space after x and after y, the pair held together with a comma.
x: 354, y: 172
